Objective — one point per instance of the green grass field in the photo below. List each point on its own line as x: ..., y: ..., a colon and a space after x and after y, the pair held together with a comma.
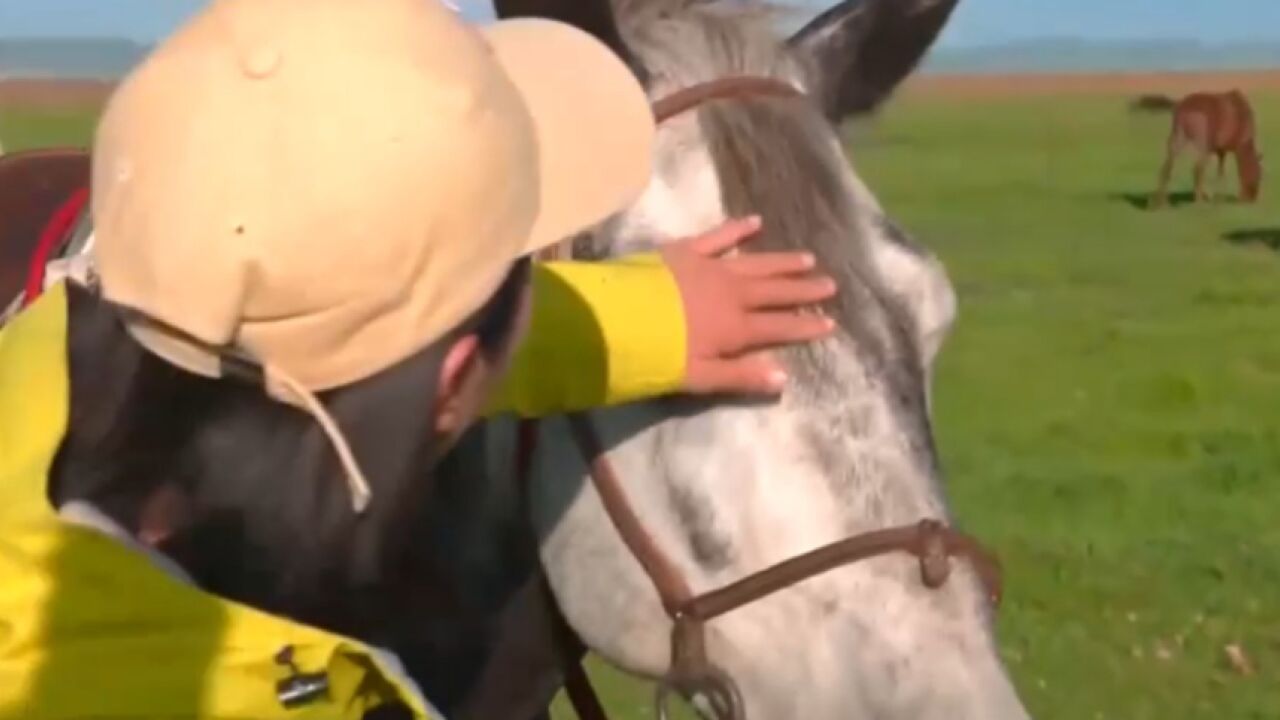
x: 1108, y: 408
x: 24, y: 129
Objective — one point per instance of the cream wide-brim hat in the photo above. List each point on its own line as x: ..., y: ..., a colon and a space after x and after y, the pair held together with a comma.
x: 326, y: 187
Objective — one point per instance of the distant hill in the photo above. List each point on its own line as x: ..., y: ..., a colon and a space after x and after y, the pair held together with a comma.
x: 72, y: 58
x: 1056, y: 55
x: 109, y: 58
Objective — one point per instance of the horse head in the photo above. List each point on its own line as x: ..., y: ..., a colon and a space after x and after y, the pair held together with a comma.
x: 726, y: 489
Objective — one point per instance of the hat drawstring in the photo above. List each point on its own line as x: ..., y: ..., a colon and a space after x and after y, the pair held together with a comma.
x: 356, y: 481
x: 185, y: 352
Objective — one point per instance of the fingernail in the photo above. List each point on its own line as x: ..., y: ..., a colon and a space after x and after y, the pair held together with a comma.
x: 777, y: 379
x: 753, y: 221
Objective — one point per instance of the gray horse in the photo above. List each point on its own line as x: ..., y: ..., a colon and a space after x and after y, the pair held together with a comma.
x: 729, y: 488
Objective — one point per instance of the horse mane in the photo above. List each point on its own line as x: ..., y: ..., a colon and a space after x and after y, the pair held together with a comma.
x: 691, y: 41
x: 779, y: 158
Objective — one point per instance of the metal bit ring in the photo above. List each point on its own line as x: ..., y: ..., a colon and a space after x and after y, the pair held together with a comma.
x: 712, y: 693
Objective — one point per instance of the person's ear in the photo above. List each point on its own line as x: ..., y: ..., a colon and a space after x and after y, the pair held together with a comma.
x: 162, y: 515
x: 450, y: 414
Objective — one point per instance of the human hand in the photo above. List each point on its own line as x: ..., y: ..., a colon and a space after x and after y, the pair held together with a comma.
x: 737, y: 306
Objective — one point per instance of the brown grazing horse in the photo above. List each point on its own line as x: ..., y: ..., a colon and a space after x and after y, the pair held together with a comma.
x: 1211, y: 123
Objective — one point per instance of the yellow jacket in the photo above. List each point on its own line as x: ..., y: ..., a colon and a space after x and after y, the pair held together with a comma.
x: 90, y: 627
x: 600, y: 334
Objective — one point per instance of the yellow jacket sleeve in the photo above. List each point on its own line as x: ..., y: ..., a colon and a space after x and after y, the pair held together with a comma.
x: 601, y: 333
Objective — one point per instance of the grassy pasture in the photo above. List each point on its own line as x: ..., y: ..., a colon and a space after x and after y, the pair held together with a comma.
x: 1108, y: 407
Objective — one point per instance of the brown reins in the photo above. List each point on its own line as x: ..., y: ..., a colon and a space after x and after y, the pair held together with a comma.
x: 692, y: 673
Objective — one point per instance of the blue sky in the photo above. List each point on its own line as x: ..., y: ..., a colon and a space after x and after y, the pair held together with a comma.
x: 977, y: 22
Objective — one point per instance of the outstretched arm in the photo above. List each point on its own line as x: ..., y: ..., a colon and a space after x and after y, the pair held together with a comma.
x: 686, y: 319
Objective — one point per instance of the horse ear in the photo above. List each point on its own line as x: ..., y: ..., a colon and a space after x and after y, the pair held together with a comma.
x: 859, y: 51
x: 595, y: 17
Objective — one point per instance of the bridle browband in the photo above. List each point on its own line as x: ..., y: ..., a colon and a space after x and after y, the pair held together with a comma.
x: 726, y: 88
x: 692, y: 673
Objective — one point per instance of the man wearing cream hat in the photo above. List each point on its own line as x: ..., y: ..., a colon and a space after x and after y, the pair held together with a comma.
x: 312, y: 223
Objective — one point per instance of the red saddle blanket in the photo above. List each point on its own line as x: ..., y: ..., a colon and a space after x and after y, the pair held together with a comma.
x: 42, y: 195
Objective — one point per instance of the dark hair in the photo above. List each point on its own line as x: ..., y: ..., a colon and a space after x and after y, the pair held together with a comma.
x: 494, y: 322
x: 268, y: 519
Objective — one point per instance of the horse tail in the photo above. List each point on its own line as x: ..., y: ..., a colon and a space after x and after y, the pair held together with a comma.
x: 1153, y: 104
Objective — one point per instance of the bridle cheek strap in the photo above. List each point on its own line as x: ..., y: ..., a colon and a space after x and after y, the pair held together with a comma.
x: 692, y: 673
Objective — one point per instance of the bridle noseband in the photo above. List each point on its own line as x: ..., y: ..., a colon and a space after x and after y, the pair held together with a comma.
x: 692, y: 673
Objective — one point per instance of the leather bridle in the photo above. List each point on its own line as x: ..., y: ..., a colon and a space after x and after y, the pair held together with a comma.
x: 692, y: 673
x: 727, y: 88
